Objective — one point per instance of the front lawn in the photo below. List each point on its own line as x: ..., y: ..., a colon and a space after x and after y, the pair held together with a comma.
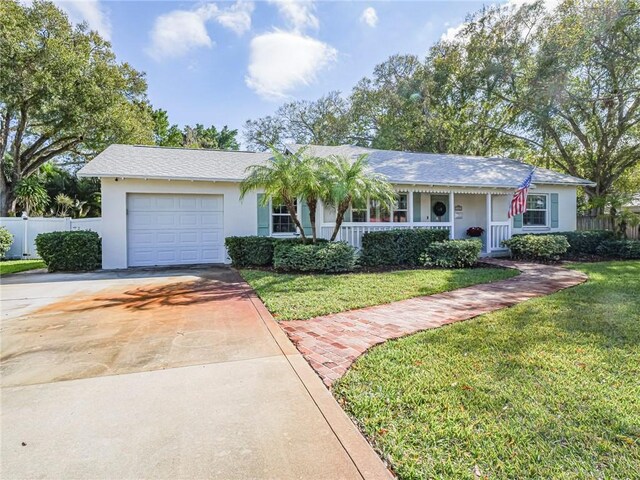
x: 547, y: 389
x: 14, y: 266
x: 290, y: 296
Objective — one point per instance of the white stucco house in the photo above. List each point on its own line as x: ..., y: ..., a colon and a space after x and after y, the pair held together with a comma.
x: 172, y: 206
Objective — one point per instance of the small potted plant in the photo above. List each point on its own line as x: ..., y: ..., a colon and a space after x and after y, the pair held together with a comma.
x: 475, y: 231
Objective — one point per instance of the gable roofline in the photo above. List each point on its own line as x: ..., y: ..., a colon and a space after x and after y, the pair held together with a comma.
x: 383, y: 161
x: 400, y: 168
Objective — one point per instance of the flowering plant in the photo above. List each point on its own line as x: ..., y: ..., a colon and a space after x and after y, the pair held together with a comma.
x: 475, y: 231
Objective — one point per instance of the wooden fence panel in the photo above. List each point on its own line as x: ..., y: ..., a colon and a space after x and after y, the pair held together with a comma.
x: 605, y: 223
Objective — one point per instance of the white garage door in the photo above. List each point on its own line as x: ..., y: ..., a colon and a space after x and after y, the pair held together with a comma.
x: 174, y: 229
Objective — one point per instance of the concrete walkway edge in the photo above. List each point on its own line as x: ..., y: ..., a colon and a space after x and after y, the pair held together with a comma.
x: 365, y: 459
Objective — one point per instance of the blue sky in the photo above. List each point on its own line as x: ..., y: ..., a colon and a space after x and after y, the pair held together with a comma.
x: 225, y: 62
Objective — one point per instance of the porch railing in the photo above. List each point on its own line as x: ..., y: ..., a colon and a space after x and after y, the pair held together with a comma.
x: 352, y: 234
x: 500, y: 231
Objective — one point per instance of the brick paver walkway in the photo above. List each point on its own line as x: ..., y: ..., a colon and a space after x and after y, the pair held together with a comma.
x: 331, y: 343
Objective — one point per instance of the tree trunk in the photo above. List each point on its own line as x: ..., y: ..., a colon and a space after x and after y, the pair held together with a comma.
x: 312, y: 203
x: 7, y: 196
x: 342, y: 209
x: 292, y: 213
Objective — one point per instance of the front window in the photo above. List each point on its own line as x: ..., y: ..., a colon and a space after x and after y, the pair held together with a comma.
x: 359, y: 211
x: 401, y: 209
x: 536, y: 214
x: 281, y: 221
x: 378, y: 212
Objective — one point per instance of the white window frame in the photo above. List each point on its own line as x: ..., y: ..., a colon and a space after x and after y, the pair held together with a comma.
x: 367, y: 211
x: 281, y: 234
x: 394, y: 208
x: 546, y: 211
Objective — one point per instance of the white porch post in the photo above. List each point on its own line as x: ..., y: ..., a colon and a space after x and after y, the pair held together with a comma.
x: 488, y: 221
x: 410, y: 207
x: 452, y: 215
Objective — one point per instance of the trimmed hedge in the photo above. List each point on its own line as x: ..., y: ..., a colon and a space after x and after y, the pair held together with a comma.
x: 586, y: 242
x: 254, y: 251
x: 627, y: 249
x: 76, y: 251
x: 322, y: 257
x: 250, y: 251
x: 6, y: 239
x: 537, y: 247
x: 452, y: 254
x: 402, y: 246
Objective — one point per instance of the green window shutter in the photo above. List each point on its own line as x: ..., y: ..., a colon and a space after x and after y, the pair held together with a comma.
x: 417, y: 206
x: 554, y: 210
x: 263, y: 217
x: 517, y: 221
x: 305, y: 218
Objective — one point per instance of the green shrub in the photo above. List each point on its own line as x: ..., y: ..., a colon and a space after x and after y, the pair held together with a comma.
x: 323, y: 257
x: 586, y: 242
x: 537, y: 247
x: 75, y: 251
x: 6, y: 239
x: 399, y: 246
x: 452, y: 254
x: 628, y: 249
x: 253, y: 251
x: 250, y: 251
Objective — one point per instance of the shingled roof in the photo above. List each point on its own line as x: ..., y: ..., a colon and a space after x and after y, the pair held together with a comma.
x: 131, y: 161
x: 138, y: 161
x: 443, y: 169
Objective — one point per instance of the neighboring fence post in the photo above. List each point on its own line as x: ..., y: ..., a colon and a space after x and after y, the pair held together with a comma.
x: 25, y: 241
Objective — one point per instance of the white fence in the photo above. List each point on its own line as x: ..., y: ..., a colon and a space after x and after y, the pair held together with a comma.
x: 25, y: 231
x: 500, y: 231
x: 352, y: 234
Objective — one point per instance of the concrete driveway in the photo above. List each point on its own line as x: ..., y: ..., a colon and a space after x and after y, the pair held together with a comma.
x: 162, y: 374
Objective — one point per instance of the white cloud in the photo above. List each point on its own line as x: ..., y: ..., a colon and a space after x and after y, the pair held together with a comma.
x: 370, y: 17
x: 90, y: 11
x: 299, y: 14
x: 237, y: 17
x: 176, y: 33
x: 283, y: 61
x: 452, y: 32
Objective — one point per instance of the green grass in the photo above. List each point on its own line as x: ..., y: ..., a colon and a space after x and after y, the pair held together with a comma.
x: 14, y: 266
x: 549, y: 389
x: 289, y: 296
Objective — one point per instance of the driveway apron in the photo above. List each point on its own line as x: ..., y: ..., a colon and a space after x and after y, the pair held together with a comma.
x: 162, y: 374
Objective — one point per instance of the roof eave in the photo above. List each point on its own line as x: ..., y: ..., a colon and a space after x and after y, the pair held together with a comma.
x: 158, y: 177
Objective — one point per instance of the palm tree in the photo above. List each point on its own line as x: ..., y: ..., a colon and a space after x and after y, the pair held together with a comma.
x: 314, y: 185
x: 353, y: 182
x: 280, y: 179
x: 31, y: 195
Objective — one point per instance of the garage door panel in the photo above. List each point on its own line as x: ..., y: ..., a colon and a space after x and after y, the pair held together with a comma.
x: 188, y: 219
x: 174, y: 229
x: 191, y: 237
x: 212, y: 204
x: 166, y: 238
x: 211, y: 219
x: 166, y: 256
x: 214, y: 237
x: 210, y: 254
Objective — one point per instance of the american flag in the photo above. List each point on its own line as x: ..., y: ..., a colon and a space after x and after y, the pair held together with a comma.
x: 519, y: 201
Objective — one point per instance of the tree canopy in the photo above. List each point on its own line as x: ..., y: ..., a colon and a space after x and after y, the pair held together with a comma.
x: 198, y: 136
x: 63, y: 94
x: 559, y: 88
